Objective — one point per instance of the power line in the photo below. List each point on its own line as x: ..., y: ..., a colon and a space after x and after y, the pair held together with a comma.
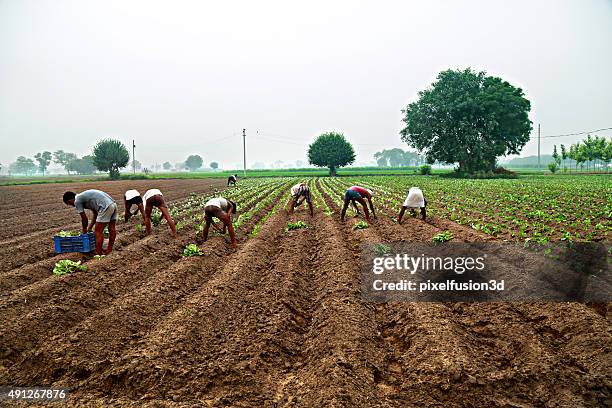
x: 578, y: 133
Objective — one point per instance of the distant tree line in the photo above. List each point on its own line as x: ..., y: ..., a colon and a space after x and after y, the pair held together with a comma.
x: 69, y: 161
x: 594, y: 152
x: 398, y: 158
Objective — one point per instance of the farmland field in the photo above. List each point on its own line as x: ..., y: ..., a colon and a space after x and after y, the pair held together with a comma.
x: 280, y: 321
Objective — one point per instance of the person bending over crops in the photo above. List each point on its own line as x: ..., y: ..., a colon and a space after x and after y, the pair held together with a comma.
x: 232, y: 180
x: 154, y: 198
x: 104, y: 213
x: 358, y: 194
x: 300, y: 193
x: 415, y: 199
x: 222, y: 209
x: 130, y: 198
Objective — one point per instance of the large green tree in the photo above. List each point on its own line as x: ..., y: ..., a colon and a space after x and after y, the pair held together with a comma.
x: 194, y: 162
x: 331, y: 150
x: 43, y: 160
x: 110, y: 155
x: 469, y: 118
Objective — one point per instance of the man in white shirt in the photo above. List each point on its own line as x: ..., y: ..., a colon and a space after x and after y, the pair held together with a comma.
x: 415, y: 199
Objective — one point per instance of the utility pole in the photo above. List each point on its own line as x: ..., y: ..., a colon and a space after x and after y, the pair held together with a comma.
x: 539, y: 147
x: 133, y: 156
x: 244, y: 150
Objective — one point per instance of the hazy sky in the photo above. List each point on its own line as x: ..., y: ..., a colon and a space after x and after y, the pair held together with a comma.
x: 184, y: 77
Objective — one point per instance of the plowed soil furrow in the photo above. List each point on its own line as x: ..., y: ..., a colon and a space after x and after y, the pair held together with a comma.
x: 100, y: 339
x: 214, y: 343
x: 51, y: 306
x: 339, y: 353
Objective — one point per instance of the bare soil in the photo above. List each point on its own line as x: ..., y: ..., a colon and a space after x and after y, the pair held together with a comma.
x: 278, y: 322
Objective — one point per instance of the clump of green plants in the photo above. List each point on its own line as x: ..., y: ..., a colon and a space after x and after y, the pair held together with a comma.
x: 68, y: 234
x: 425, y: 169
x: 382, y: 249
x: 156, y: 218
x: 360, y: 225
x: 66, y: 266
x: 179, y: 226
x: 296, y: 225
x: 442, y: 237
x: 192, y: 250
x: 139, y: 227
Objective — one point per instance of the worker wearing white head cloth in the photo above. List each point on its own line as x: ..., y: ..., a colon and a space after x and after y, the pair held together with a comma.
x: 132, y: 197
x: 415, y: 199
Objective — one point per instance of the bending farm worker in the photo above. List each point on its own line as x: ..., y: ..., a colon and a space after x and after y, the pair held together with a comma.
x: 221, y: 209
x: 360, y: 195
x: 130, y: 198
x: 154, y: 198
x: 104, y: 211
x: 300, y: 193
x: 415, y: 199
x: 232, y: 180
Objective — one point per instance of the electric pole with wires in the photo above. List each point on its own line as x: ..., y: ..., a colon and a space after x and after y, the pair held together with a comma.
x: 133, y: 157
x: 539, y: 147
x: 244, y: 150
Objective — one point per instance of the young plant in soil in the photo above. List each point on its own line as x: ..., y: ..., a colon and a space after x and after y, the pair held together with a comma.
x: 66, y: 266
x: 192, y: 250
x: 360, y: 225
x: 442, y: 237
x: 382, y: 250
x: 296, y: 225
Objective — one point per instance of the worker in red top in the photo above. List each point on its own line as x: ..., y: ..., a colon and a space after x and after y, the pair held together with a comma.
x: 360, y: 195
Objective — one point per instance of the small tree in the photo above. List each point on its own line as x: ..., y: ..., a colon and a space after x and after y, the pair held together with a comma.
x: 193, y: 162
x: 331, y: 150
x: 214, y: 165
x: 43, y: 160
x: 63, y: 158
x: 556, y: 156
x: 110, y: 155
x: 563, y: 156
x: 553, y: 166
x: 136, y: 165
x: 167, y: 166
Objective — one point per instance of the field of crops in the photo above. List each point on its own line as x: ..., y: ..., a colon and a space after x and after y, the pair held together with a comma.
x: 280, y: 321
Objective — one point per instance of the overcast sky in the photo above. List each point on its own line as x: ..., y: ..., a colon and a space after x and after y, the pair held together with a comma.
x: 185, y: 77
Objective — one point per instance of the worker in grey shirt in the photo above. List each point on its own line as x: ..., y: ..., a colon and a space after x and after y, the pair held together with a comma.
x: 104, y: 213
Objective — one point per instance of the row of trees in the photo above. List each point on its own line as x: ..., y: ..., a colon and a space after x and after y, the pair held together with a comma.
x: 398, y: 158
x: 595, y: 152
x: 108, y: 155
x: 69, y: 161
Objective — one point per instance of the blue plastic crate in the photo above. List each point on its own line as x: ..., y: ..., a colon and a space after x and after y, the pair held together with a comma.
x: 82, y: 243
